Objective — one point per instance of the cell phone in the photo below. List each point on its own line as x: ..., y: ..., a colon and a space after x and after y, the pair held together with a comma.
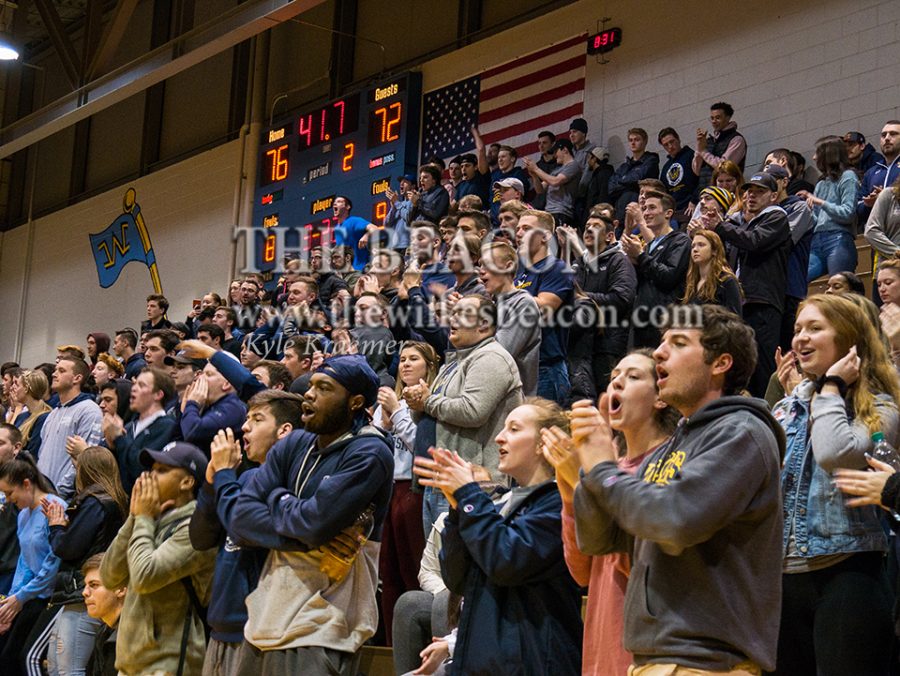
x: 196, y: 303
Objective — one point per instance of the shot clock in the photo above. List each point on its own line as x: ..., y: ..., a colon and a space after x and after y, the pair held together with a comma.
x: 355, y: 146
x: 604, y: 41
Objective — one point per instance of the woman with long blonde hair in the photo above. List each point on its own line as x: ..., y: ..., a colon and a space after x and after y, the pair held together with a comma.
x: 709, y: 277
x: 521, y: 612
x: 30, y: 389
x: 834, y: 552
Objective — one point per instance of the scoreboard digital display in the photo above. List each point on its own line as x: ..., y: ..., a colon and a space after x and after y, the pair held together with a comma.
x: 355, y: 146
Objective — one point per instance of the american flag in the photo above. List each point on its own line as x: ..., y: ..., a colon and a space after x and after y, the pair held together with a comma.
x: 510, y: 103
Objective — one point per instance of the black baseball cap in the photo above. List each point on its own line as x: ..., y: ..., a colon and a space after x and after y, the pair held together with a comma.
x: 468, y: 157
x: 762, y: 180
x: 854, y: 137
x: 562, y: 143
x: 178, y: 454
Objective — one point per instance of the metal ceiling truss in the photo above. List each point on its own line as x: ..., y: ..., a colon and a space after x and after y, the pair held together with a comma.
x: 177, y: 55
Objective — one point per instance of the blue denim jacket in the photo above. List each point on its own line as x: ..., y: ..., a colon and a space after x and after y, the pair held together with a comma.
x: 822, y: 523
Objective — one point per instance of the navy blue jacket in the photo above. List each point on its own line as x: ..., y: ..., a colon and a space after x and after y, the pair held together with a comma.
x: 432, y: 205
x: 522, y: 610
x: 237, y: 568
x: 127, y: 447
x: 243, y: 381
x: 134, y: 365
x: 200, y: 428
x: 623, y: 185
x: 880, y: 175
x: 336, y: 484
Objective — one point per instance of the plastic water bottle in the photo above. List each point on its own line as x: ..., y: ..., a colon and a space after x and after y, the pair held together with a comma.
x: 885, y: 452
x: 336, y: 565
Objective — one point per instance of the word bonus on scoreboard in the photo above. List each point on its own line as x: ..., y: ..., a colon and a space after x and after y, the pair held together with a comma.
x: 355, y: 146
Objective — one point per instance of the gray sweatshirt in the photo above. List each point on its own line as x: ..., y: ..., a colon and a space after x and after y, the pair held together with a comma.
x: 519, y: 332
x: 705, y: 513
x: 81, y: 416
x: 470, y: 398
x: 883, y: 226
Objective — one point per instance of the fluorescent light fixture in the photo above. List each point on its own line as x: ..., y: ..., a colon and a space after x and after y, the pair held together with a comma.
x: 8, y: 50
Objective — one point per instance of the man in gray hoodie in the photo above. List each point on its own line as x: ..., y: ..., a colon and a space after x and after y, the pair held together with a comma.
x: 704, y: 509
x: 518, y: 315
x: 76, y: 415
x: 471, y: 395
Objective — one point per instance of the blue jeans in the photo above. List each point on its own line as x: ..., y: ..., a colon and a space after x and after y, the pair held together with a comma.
x: 553, y: 382
x: 71, y: 641
x: 832, y: 252
x: 433, y: 505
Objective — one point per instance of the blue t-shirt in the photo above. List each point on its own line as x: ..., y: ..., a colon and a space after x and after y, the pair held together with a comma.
x: 550, y: 276
x: 349, y: 233
x: 436, y: 273
x: 480, y: 185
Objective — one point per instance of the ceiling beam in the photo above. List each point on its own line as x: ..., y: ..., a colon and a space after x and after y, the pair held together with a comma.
x: 61, y: 42
x: 112, y: 36
x: 93, y: 27
x: 225, y: 31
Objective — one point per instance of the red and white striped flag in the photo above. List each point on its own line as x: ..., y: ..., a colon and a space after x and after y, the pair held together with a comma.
x: 511, y: 103
x: 541, y: 90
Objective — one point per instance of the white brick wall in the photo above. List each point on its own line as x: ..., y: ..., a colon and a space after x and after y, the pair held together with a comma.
x: 793, y: 70
x: 188, y: 210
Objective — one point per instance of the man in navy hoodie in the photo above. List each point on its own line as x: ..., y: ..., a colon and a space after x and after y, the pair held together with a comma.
x: 704, y: 510
x: 678, y: 173
x: 210, y: 405
x: 273, y: 416
x: 314, y: 484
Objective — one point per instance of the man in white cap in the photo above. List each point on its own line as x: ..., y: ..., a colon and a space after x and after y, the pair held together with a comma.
x: 510, y: 189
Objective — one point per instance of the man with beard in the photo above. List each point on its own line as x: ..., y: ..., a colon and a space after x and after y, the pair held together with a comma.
x: 272, y: 416
x: 313, y: 485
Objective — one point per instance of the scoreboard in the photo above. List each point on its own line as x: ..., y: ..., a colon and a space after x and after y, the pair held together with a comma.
x: 354, y: 146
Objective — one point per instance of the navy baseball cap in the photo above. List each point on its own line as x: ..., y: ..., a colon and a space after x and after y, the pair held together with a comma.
x: 178, y: 454
x: 762, y: 180
x: 407, y: 177
x: 777, y: 171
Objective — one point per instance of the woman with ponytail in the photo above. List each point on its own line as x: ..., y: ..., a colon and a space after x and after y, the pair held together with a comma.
x: 35, y: 576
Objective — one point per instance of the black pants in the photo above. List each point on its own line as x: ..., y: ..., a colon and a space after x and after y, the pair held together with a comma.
x: 788, y: 317
x: 837, y: 621
x: 29, y: 628
x: 765, y: 320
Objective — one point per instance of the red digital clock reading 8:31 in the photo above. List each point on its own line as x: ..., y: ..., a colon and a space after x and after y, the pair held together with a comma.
x: 328, y: 122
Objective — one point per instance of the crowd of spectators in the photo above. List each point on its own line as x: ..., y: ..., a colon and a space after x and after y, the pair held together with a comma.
x: 539, y: 379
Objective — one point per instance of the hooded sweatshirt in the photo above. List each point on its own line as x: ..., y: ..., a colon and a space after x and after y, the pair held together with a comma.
x: 704, y: 510
x: 298, y: 500
x: 151, y: 557
x: 470, y: 398
x: 519, y: 332
x: 79, y: 416
x: 102, y: 342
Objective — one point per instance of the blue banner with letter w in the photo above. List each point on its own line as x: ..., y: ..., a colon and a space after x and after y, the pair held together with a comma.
x: 125, y: 239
